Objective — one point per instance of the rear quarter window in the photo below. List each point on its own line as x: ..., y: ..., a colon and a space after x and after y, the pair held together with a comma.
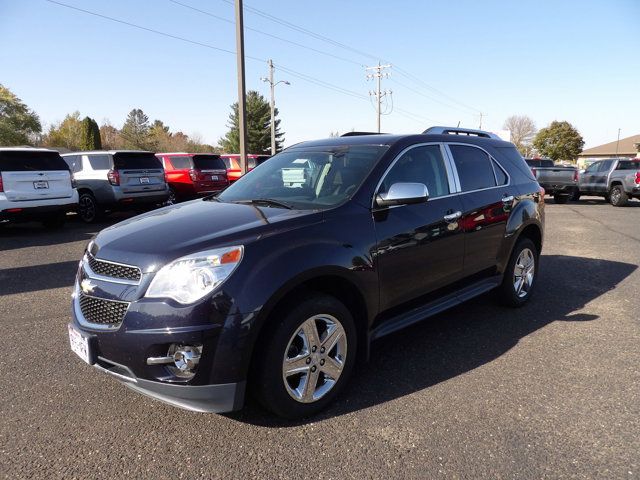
x: 136, y: 160
x: 100, y: 162
x: 515, y: 163
x: 180, y: 163
x: 25, y: 161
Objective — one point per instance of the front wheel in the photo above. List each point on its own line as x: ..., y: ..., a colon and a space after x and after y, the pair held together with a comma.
x: 88, y: 208
x: 617, y: 196
x: 520, y: 275
x: 306, y: 357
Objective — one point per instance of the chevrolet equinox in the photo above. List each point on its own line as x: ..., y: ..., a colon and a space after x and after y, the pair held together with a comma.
x: 280, y: 283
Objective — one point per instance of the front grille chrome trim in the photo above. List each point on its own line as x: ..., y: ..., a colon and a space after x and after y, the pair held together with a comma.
x: 86, y: 264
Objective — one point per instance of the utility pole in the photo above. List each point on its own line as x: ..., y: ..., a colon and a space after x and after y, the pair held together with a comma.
x: 378, y: 73
x: 242, y: 100
x: 481, y: 115
x: 618, y: 142
x: 273, y: 84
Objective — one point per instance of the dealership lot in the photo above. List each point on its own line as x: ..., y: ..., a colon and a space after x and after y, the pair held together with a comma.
x: 481, y: 391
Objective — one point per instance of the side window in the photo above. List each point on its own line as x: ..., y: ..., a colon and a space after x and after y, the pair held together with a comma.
x: 605, y: 166
x: 180, y: 163
x: 420, y: 165
x: 74, y: 162
x: 592, y: 168
x: 501, y: 176
x: 99, y: 162
x: 474, y: 168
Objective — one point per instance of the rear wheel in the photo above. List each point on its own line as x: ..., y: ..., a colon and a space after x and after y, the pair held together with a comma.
x: 173, y: 199
x: 560, y: 198
x: 88, y: 208
x: 520, y: 275
x: 306, y: 357
x: 617, y: 196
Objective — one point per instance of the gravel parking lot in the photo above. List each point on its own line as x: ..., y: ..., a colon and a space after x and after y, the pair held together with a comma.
x: 550, y: 390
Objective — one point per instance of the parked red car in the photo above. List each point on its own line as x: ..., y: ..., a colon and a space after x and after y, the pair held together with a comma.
x: 192, y: 175
x: 232, y: 161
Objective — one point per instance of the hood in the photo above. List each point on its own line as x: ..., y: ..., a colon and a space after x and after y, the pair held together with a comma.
x: 163, y: 235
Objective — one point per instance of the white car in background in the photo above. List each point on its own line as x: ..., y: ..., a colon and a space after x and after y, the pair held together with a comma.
x: 35, y: 184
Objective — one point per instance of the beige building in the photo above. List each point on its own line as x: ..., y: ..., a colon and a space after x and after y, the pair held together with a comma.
x: 627, y: 147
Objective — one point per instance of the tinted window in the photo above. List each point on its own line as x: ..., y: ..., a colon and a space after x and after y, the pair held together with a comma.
x: 100, y: 162
x: 208, y: 162
x: 605, y: 166
x: 474, y: 167
x: 592, y: 168
x: 74, y: 162
x: 629, y: 165
x: 422, y: 165
x: 533, y: 163
x: 21, y: 161
x: 124, y: 160
x: 501, y: 177
x: 308, y: 178
x: 180, y: 163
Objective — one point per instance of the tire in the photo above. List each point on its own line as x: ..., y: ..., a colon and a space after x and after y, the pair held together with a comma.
x: 607, y: 198
x: 287, y: 337
x: 576, y: 195
x: 561, y: 198
x: 88, y: 209
x: 55, y: 221
x: 172, y: 199
x: 511, y: 292
x: 617, y: 196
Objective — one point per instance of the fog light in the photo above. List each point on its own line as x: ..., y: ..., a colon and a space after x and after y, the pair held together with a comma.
x: 185, y: 359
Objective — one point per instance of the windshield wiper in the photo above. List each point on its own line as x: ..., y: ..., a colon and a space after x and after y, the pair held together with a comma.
x: 266, y: 201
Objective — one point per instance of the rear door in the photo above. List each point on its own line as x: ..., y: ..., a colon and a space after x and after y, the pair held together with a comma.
x: 600, y: 178
x: 34, y: 175
x: 587, y: 178
x: 487, y: 199
x: 211, y: 172
x: 140, y: 172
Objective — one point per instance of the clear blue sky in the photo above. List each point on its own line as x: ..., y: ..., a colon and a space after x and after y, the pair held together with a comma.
x: 564, y: 60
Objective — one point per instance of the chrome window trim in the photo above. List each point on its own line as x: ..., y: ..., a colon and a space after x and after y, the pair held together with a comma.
x: 491, y: 158
x: 123, y: 281
x: 447, y: 166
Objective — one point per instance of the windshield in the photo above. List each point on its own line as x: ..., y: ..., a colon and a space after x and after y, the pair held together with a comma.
x: 311, y: 178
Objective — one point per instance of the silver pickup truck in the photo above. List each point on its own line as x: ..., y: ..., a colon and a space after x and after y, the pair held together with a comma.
x: 558, y: 181
x: 616, y: 179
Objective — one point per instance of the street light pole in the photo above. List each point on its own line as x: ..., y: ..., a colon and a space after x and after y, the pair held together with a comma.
x: 272, y: 85
x: 242, y: 104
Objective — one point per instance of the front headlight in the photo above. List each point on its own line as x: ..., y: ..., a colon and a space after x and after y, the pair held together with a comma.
x: 190, y: 278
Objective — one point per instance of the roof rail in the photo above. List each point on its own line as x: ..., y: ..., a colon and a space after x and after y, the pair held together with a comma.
x: 460, y: 131
x: 357, y: 134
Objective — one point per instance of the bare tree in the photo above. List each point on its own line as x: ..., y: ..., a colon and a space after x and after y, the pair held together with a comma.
x: 522, y: 129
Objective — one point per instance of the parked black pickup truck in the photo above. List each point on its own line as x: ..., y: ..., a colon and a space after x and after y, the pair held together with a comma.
x: 560, y: 182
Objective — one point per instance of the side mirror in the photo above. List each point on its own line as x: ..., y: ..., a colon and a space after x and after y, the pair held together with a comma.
x: 403, y: 194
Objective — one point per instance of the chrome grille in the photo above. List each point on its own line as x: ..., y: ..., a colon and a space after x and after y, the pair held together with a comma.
x: 114, y: 270
x: 101, y: 311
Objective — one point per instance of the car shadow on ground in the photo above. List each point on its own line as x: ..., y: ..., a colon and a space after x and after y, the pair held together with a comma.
x: 464, y: 338
x: 37, y: 277
x: 602, y: 201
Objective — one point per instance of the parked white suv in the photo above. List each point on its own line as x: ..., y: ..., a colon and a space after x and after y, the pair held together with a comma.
x: 116, y: 180
x: 35, y: 184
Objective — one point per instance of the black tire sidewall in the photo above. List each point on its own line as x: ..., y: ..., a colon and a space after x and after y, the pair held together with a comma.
x: 95, y: 208
x: 507, y: 292
x: 268, y: 383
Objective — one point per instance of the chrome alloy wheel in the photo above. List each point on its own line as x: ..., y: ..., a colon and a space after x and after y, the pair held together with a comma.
x: 314, y: 358
x: 87, y: 208
x: 524, y: 273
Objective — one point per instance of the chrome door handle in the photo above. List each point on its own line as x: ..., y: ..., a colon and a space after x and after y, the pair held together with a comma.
x: 452, y: 217
x: 508, y: 199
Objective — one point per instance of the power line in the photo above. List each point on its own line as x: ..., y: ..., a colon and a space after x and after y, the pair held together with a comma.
x: 418, y: 92
x: 226, y: 20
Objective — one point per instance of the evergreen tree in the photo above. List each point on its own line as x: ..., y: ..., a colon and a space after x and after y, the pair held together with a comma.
x: 90, y: 135
x: 258, y: 127
x: 135, y: 131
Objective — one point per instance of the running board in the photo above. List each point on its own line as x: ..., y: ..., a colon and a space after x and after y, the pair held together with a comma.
x: 432, y: 308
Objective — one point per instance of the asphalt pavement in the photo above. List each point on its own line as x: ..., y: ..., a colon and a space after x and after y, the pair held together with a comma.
x: 551, y: 390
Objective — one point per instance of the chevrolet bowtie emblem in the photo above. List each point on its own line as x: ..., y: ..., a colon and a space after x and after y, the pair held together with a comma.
x: 86, y: 286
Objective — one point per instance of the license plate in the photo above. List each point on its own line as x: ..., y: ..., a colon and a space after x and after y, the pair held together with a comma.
x: 214, y: 177
x: 144, y: 179
x: 79, y: 344
x: 40, y: 184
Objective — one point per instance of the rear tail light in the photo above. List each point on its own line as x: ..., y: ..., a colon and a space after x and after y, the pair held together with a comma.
x: 1, y: 185
x: 74, y: 184
x: 637, y: 180
x: 193, y: 174
x: 114, y: 177
x: 575, y: 176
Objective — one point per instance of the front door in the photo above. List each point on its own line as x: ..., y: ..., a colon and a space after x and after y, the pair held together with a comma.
x: 421, y: 246
x: 587, y: 179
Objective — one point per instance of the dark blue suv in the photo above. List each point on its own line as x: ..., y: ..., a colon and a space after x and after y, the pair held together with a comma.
x: 279, y: 284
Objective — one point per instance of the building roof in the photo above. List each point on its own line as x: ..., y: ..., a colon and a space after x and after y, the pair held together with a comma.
x: 626, y: 147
